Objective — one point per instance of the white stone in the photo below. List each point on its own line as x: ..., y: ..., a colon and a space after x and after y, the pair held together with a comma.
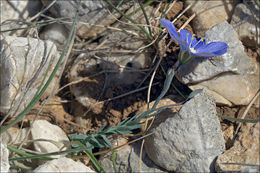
x: 4, y: 161
x: 42, y: 129
x: 63, y: 164
x: 189, y: 140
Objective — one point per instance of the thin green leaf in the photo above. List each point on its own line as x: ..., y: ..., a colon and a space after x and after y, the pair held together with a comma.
x: 40, y: 156
x: 107, y: 141
x: 22, y: 153
x: 77, y: 137
x: 95, y: 162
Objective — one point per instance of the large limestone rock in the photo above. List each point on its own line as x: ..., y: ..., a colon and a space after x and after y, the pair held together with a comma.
x: 24, y: 64
x: 189, y: 140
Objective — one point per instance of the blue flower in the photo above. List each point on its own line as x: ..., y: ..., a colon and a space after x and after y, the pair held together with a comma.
x: 193, y: 46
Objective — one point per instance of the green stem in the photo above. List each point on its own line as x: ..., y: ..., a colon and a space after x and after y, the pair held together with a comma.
x: 145, y: 16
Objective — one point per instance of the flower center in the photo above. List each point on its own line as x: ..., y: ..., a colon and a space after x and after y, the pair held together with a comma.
x: 192, y: 50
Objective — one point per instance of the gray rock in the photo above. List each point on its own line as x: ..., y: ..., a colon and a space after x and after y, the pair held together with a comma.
x: 4, y: 161
x: 246, y: 23
x: 63, y: 165
x: 93, y: 15
x: 189, y: 140
x: 235, y: 60
x: 127, y: 160
x: 24, y: 62
x: 55, y: 136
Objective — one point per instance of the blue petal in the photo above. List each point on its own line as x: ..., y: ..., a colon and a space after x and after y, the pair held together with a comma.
x: 174, y: 34
x: 212, y: 49
x: 170, y: 28
x: 187, y: 37
x: 199, y: 43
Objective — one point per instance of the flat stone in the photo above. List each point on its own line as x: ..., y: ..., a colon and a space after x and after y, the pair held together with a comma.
x: 42, y: 129
x: 63, y: 164
x: 24, y: 63
x: 220, y: 100
x: 244, y: 151
x: 189, y: 140
x: 245, y: 20
x: 4, y: 161
x: 232, y: 89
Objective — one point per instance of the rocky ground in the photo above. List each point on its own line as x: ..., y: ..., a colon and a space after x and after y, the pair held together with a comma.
x: 105, y: 79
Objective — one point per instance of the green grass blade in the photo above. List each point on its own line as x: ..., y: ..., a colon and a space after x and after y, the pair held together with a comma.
x: 114, y: 161
x: 40, y: 156
x: 95, y: 162
x: 21, y: 152
x: 145, y: 16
